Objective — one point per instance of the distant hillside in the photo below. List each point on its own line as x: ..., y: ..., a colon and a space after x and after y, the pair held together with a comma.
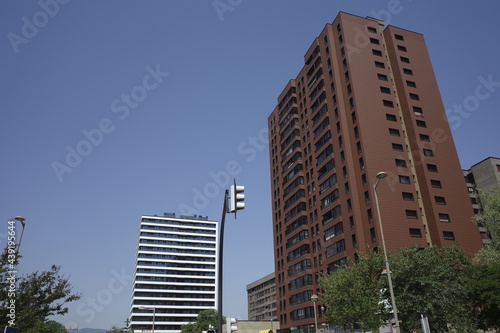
x: 90, y: 330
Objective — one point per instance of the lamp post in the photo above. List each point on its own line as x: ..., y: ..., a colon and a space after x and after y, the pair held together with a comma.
x: 323, y: 315
x: 20, y: 219
x: 314, y: 298
x: 382, y: 175
x: 154, y: 314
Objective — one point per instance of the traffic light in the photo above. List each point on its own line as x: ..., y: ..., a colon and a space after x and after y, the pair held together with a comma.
x: 236, y: 198
x: 229, y: 325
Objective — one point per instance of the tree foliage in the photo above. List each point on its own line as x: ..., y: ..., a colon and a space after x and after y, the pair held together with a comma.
x: 126, y: 329
x: 484, y: 292
x: 204, y: 319
x: 433, y: 282
x: 352, y: 294
x: 490, y: 218
x: 442, y: 284
x: 48, y: 326
x: 37, y: 295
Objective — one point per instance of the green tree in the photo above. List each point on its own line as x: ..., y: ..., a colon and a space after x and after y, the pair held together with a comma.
x: 37, y: 295
x: 48, y: 326
x: 204, y: 319
x: 126, y: 329
x: 352, y: 294
x: 484, y: 288
x: 433, y: 282
x: 490, y: 218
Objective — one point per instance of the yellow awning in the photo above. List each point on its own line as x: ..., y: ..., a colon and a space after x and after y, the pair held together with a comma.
x: 265, y: 331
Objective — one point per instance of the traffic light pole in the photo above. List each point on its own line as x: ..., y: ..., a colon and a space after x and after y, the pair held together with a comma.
x: 220, y: 258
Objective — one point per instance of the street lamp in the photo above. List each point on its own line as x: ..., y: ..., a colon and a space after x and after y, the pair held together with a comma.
x: 382, y: 175
x: 20, y: 219
x: 154, y: 314
x: 314, y: 298
x: 327, y: 325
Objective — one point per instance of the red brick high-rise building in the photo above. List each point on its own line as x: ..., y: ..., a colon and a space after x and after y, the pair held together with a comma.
x: 365, y: 101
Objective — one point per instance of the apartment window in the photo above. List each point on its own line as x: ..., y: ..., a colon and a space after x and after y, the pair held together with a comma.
x: 399, y: 37
x: 363, y: 180
x: 421, y: 123
x: 444, y: 217
x: 414, y: 97
x: 372, y: 235
x: 407, y: 196
x: 354, y: 241
x: 404, y: 179
x: 448, y: 235
x: 346, y: 74
x: 358, y: 147
x: 411, y: 84
x: 436, y: 183
x: 405, y: 60
x: 432, y: 168
x: 402, y: 48
x: 400, y: 163
x: 387, y: 103
x: 391, y: 117
x: 407, y: 71
x: 370, y: 215
x: 428, y: 152
x: 367, y: 198
x: 418, y: 111
x: 411, y: 214
x: 353, y: 117
x: 361, y: 164
x: 379, y: 64
x: 415, y: 232
x: 397, y: 147
x: 372, y: 30
x: 498, y: 167
x: 374, y: 41
x: 382, y: 77
x: 394, y: 132
x: 440, y: 200
x: 385, y: 90
x: 425, y: 138
x: 341, y: 39
x: 377, y: 52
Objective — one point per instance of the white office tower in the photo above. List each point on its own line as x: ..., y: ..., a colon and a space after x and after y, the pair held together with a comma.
x: 175, y: 272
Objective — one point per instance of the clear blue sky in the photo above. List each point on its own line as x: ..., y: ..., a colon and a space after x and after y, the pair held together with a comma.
x: 115, y: 109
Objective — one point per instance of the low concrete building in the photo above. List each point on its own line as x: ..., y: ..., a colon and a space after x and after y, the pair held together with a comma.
x: 261, y: 296
x: 254, y: 326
